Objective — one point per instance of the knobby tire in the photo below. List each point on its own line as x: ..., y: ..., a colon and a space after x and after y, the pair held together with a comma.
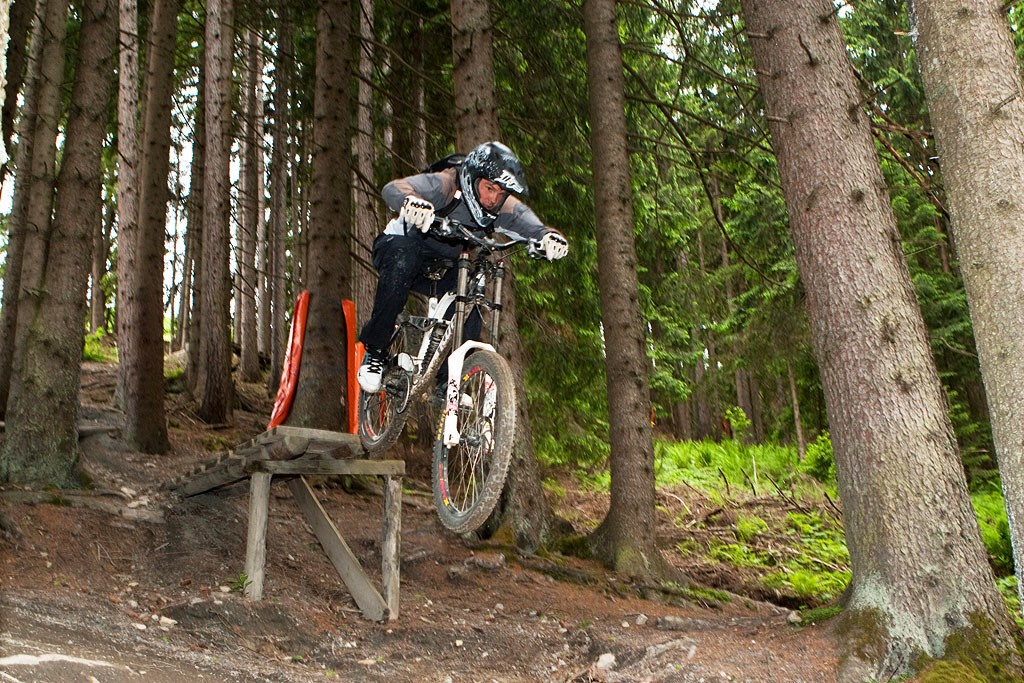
x: 382, y: 415
x: 468, y: 478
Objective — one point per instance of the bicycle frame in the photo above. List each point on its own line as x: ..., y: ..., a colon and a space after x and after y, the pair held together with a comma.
x: 472, y: 273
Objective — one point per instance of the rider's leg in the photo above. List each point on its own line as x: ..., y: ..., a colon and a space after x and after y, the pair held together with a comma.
x: 398, y: 260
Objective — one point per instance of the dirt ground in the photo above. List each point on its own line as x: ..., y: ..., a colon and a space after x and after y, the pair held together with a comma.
x: 126, y: 582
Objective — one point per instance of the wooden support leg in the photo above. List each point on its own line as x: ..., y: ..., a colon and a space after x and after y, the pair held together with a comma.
x: 256, y: 545
x: 341, y: 556
x: 391, y: 544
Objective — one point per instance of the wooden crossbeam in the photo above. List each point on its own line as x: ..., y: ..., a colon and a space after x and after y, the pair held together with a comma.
x: 324, y: 466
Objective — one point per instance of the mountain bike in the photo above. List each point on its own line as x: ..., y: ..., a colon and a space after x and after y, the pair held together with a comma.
x: 476, y: 427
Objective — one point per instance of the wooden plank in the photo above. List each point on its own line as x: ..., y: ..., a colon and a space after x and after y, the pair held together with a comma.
x: 330, y: 466
x: 272, y: 444
x: 287, y: 442
x: 325, y: 435
x: 341, y: 556
x: 390, y: 546
x: 256, y: 544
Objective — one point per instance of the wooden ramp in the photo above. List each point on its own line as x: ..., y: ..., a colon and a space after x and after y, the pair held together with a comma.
x: 293, y: 453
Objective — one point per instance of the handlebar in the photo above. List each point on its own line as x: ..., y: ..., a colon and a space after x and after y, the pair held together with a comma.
x: 450, y: 228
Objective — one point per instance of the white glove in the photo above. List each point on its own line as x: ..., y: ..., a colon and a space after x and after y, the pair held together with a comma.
x: 417, y: 212
x: 553, y: 245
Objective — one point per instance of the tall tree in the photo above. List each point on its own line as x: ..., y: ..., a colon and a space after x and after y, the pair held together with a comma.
x: 216, y: 391
x: 328, y: 268
x: 476, y: 109
x: 100, y: 254
x: 973, y: 84
x: 195, y: 372
x: 365, y: 188
x: 279, y: 178
x: 129, y: 150
x: 523, y: 507
x: 16, y: 50
x: 5, y: 27
x: 250, y: 202
x: 625, y: 539
x: 141, y: 248
x: 33, y: 193
x: 896, y: 456
x: 41, y: 444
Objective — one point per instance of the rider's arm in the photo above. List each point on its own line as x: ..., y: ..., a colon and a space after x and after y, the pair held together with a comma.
x: 518, y: 222
x: 436, y: 188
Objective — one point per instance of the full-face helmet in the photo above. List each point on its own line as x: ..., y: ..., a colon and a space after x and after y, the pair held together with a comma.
x: 495, y: 162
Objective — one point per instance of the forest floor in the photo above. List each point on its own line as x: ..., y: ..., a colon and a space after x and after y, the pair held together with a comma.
x: 125, y: 582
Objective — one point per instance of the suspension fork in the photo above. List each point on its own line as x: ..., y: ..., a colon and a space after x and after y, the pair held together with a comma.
x: 499, y: 278
x: 460, y: 297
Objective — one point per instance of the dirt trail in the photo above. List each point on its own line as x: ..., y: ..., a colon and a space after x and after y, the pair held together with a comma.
x: 126, y: 583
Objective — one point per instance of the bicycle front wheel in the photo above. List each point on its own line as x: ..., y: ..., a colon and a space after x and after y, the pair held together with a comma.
x: 468, y: 477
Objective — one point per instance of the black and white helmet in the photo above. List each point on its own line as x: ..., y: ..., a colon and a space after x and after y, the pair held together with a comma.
x: 496, y: 162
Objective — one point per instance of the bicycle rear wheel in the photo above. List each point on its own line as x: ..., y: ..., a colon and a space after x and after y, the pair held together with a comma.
x: 468, y: 478
x: 382, y: 415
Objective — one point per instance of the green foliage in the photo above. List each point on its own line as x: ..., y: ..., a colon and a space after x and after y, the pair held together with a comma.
x: 816, y: 572
x: 553, y: 487
x: 990, y: 508
x: 749, y: 526
x: 818, y: 615
x: 819, y: 461
x: 950, y: 672
x: 99, y: 348
x: 739, y: 421
x: 239, y: 583
x: 1008, y: 588
x: 704, y: 464
x: 820, y: 571
x: 740, y: 555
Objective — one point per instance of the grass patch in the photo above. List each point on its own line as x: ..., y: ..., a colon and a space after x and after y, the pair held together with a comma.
x: 990, y: 508
x: 724, y: 467
x: 99, y: 348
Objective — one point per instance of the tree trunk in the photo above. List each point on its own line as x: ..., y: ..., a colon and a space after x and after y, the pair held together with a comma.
x: 245, y: 305
x: 41, y: 444
x: 896, y: 455
x: 215, y: 322
x: 141, y: 281
x: 195, y: 373
x: 973, y: 85
x: 279, y: 178
x: 322, y: 372
x: 523, y: 508
x: 33, y: 193
x: 128, y: 172
x: 625, y: 539
x: 178, y: 342
x: 262, y: 287
x: 100, y: 254
x: 19, y: 27
x: 366, y: 193
x: 5, y: 27
x: 476, y: 109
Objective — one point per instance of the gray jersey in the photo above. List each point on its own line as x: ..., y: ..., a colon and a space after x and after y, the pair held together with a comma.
x: 515, y: 219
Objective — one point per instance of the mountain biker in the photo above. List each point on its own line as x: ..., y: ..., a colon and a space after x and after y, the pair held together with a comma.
x: 480, y: 194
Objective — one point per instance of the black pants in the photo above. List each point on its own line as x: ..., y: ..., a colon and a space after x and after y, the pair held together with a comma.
x: 402, y: 263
